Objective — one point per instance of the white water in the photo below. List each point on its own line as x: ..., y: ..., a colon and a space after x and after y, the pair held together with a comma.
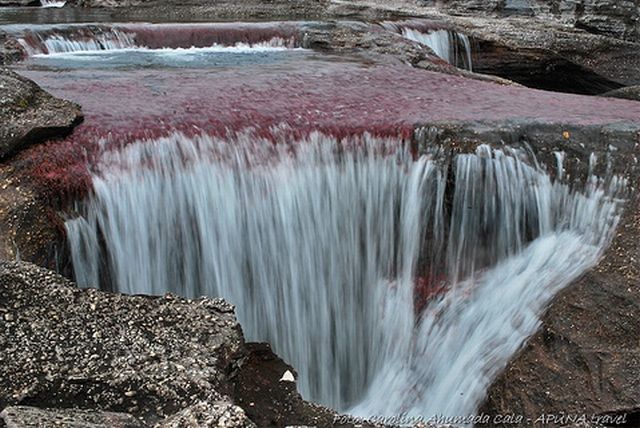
x: 52, y: 3
x: 445, y: 44
x: 114, y: 41
x: 58, y: 43
x: 321, y: 251
x: 95, y: 55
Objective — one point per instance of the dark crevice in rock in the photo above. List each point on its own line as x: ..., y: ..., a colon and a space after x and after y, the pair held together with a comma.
x: 621, y: 418
x: 259, y: 390
x: 539, y: 69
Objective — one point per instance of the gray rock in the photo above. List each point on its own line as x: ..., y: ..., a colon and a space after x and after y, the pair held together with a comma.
x: 207, y: 414
x: 616, y: 18
x: 29, y: 115
x: 147, y: 356
x: 628, y: 93
x: 32, y: 417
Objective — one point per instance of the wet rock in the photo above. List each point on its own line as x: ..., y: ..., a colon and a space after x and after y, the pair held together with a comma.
x: 32, y: 417
x: 84, y: 357
x: 29, y: 115
x: 10, y: 49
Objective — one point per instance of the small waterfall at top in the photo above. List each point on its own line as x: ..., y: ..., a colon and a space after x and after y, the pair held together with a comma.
x: 60, y: 43
x: 393, y: 284
x: 52, y: 3
x: 92, y: 38
x: 451, y: 46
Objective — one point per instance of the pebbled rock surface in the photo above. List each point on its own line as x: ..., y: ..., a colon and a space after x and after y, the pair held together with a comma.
x: 84, y: 358
x: 29, y: 115
x: 61, y: 346
x: 211, y: 413
x: 27, y: 417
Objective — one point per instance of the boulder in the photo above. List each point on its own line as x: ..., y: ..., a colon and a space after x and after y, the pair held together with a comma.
x: 151, y: 357
x: 29, y: 115
x: 88, y: 358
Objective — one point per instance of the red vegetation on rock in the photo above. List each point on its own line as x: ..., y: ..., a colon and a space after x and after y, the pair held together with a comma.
x: 303, y: 94
x: 427, y: 288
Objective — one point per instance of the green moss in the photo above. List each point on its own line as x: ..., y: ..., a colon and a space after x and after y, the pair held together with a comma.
x: 22, y: 103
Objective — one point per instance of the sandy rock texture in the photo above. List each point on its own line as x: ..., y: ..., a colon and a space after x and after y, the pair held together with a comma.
x: 29, y: 115
x: 66, y: 347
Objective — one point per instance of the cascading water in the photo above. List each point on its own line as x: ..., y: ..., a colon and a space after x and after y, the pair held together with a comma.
x: 52, y: 3
x: 96, y: 38
x: 392, y: 283
x: 451, y: 46
x: 59, y: 43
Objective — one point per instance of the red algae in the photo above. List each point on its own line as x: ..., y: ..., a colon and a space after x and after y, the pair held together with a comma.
x: 203, y: 35
x: 336, y: 98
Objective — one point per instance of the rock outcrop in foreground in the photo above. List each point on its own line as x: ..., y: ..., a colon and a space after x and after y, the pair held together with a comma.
x: 89, y: 357
x: 29, y: 115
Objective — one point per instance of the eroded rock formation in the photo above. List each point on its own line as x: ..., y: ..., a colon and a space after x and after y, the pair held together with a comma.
x: 620, y: 19
x: 29, y: 115
x: 151, y: 360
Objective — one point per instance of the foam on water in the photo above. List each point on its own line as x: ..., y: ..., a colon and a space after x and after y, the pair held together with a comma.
x: 272, y: 46
x: 388, y: 286
x: 119, y: 42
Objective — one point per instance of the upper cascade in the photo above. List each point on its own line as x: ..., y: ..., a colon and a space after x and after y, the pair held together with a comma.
x: 450, y: 45
x: 89, y: 38
x: 52, y: 3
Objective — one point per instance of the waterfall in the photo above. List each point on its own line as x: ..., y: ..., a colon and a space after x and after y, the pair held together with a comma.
x: 47, y: 40
x: 393, y: 284
x: 451, y: 46
x: 52, y: 43
x: 52, y: 3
